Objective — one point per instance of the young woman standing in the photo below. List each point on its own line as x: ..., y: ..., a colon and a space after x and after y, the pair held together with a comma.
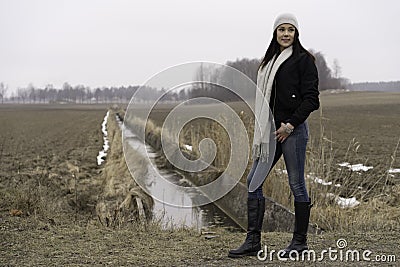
x: 288, y: 78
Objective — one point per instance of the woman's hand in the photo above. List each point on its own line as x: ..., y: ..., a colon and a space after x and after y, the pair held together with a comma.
x: 283, y: 132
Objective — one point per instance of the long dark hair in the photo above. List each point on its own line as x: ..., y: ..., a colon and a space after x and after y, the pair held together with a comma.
x: 274, y: 48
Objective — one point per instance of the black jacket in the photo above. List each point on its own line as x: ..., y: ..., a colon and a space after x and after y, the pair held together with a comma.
x: 295, y: 90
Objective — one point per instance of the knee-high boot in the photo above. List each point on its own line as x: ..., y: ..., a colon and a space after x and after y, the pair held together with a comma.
x: 255, y: 216
x: 302, y: 219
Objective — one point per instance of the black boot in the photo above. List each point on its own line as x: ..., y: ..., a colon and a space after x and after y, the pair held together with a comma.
x: 299, y: 240
x: 255, y: 216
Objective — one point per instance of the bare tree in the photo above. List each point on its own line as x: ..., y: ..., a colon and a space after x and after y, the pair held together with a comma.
x: 88, y: 94
x: 247, y: 66
x: 97, y: 94
x: 324, y: 72
x: 51, y: 93
x: 22, y: 93
x: 3, y: 92
x: 337, y: 70
x: 31, y: 90
x: 79, y: 92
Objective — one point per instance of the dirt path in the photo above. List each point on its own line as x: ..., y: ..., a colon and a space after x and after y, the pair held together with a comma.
x: 25, y: 242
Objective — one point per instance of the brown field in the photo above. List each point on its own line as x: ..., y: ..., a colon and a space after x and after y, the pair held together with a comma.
x: 369, y: 117
x: 50, y: 182
x: 42, y: 148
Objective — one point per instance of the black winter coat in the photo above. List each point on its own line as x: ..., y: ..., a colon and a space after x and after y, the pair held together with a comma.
x: 295, y: 90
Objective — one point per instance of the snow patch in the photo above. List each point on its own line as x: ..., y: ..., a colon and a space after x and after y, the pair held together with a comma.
x: 103, y: 153
x: 356, y: 167
x: 188, y: 147
x: 344, y: 202
x: 394, y: 170
x: 318, y: 180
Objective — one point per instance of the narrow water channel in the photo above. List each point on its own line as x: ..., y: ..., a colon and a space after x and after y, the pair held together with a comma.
x: 199, y: 217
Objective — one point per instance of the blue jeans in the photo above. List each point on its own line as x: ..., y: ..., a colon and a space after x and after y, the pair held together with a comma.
x: 294, y: 154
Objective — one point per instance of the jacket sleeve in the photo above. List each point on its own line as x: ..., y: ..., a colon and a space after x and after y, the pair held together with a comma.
x: 308, y: 90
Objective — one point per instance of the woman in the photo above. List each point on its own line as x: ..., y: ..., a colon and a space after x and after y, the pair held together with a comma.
x: 288, y: 77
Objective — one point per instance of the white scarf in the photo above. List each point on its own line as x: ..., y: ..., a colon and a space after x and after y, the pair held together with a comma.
x: 262, y: 126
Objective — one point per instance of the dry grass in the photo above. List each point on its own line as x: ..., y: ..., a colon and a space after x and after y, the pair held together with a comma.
x: 121, y: 201
x: 375, y: 189
x: 26, y: 243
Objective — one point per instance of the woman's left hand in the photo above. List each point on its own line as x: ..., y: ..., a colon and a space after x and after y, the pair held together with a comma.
x: 281, y: 134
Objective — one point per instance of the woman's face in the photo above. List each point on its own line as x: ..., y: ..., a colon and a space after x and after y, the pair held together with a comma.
x: 285, y: 35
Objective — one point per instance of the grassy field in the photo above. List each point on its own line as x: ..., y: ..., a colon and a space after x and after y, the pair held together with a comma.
x: 47, y: 207
x: 371, y: 118
x: 356, y: 128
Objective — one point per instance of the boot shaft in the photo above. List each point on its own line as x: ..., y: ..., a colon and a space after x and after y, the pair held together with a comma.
x: 302, y: 217
x: 261, y: 211
x: 255, y: 214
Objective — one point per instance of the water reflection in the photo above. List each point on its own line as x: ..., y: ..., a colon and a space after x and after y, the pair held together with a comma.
x: 162, y: 182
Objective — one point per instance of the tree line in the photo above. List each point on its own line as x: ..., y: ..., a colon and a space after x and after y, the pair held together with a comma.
x: 393, y: 86
x: 329, y: 79
x: 69, y: 94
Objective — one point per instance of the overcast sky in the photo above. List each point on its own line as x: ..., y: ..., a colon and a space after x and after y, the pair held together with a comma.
x: 116, y: 42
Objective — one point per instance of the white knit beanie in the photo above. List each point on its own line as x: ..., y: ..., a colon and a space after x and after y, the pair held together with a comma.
x: 286, y: 18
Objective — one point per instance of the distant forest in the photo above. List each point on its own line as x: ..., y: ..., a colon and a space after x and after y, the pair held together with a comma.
x: 328, y: 79
x: 375, y: 86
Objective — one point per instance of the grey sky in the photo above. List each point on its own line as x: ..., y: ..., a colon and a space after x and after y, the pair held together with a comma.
x: 116, y: 42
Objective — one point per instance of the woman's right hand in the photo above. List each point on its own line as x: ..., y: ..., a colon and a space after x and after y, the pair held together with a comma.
x: 282, y: 133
